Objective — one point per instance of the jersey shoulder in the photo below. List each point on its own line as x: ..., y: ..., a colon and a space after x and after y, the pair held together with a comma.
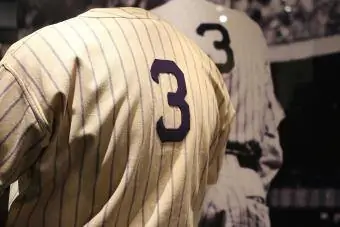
x: 242, y: 21
x: 240, y: 16
x: 244, y: 30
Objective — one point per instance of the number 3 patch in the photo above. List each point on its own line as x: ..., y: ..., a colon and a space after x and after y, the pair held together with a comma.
x: 175, y: 99
x: 224, y: 45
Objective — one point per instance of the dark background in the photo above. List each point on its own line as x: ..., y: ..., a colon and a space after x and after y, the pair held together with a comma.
x: 308, y: 91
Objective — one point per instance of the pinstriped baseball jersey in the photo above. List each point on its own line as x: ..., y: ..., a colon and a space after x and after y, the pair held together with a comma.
x: 238, y: 47
x: 111, y: 118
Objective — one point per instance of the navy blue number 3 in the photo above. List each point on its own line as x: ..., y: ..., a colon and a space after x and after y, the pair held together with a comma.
x: 175, y: 99
x: 224, y: 44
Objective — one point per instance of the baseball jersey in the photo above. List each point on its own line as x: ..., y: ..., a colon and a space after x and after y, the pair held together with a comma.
x: 111, y: 118
x: 237, y: 46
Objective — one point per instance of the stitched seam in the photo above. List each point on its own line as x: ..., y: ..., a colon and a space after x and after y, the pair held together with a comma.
x: 36, y: 109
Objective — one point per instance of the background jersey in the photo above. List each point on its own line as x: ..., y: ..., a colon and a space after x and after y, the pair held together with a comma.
x: 238, y: 47
x: 111, y: 118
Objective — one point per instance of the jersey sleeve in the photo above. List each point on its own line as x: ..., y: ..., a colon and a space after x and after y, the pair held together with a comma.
x: 226, y: 117
x: 22, y: 134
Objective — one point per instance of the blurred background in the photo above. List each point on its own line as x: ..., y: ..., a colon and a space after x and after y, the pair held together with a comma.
x: 304, y: 41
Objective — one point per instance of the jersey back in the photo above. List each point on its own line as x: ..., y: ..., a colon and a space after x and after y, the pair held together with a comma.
x: 137, y: 117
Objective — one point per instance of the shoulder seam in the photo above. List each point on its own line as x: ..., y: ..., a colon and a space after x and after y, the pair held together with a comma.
x: 37, y: 111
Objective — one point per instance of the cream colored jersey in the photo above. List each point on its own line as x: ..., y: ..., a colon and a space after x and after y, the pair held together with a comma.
x: 111, y: 118
x: 238, y: 47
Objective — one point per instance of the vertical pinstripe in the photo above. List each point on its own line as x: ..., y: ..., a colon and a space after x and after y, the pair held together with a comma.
x: 128, y: 128
x: 195, y: 135
x: 83, y: 120
x: 152, y: 94
x: 208, y: 117
x: 99, y: 123
x: 111, y: 91
x: 68, y: 120
x: 135, y: 182
x: 163, y: 107
x: 114, y: 130
x: 196, y: 122
x: 68, y: 116
x: 95, y: 158
x: 185, y: 146
x: 153, y: 146
x: 199, y: 135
